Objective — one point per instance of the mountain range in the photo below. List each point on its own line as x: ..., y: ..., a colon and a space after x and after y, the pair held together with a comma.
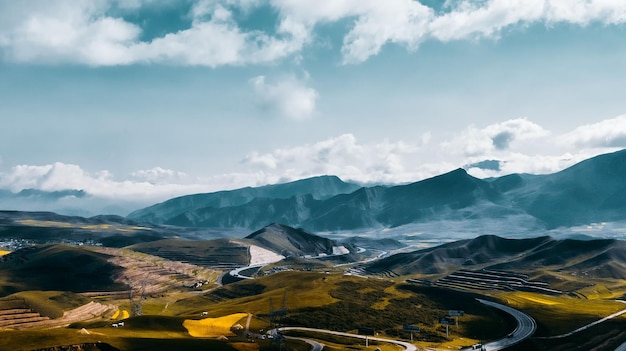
x: 593, y: 190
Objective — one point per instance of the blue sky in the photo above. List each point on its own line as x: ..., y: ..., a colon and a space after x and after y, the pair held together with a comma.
x: 141, y: 99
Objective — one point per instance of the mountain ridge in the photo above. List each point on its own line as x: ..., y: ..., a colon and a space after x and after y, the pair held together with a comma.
x: 593, y: 190
x: 599, y: 258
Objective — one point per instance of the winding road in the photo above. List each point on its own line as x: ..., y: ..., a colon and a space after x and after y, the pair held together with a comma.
x: 526, y: 327
x: 315, y: 346
x: 407, y: 346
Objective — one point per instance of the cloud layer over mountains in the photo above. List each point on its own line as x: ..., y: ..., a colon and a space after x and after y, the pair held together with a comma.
x: 387, y: 162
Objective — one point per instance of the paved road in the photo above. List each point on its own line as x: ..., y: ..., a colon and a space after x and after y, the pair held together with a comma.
x: 616, y: 314
x: 236, y: 272
x: 407, y: 346
x: 526, y: 326
x: 315, y: 346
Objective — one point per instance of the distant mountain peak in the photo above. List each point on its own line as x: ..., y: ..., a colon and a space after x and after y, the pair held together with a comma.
x: 591, y: 191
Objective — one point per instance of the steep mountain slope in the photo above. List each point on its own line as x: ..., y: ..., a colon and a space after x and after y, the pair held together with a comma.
x: 435, y: 198
x: 177, y: 209
x: 594, y: 258
x: 289, y: 241
x: 593, y: 190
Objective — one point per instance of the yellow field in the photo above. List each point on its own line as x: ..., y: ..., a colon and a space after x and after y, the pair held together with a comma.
x: 56, y: 224
x: 4, y: 252
x: 213, y: 327
x: 538, y: 299
x: 120, y: 314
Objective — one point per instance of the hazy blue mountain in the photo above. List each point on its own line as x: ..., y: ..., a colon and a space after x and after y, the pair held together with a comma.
x: 591, y: 191
x: 71, y: 202
x: 187, y: 210
x: 454, y: 194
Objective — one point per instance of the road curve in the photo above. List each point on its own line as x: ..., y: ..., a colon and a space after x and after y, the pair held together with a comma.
x: 407, y: 346
x: 315, y: 346
x: 526, y: 327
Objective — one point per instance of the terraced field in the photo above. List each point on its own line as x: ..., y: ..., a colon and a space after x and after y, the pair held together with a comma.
x: 16, y: 314
x: 162, y: 274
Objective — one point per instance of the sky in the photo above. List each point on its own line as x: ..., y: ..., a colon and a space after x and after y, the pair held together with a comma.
x: 145, y: 100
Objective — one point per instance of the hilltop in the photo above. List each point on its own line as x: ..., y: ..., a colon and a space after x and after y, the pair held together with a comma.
x: 57, y: 267
x: 289, y: 241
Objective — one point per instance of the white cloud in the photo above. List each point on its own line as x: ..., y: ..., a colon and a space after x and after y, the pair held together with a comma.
x: 376, y: 23
x: 62, y: 176
x: 64, y: 31
x: 87, y: 32
x: 83, y: 32
x: 610, y: 133
x: 289, y: 97
x: 401, y: 21
x: 382, y: 161
x: 343, y: 156
x: 496, y: 137
x: 158, y: 175
x: 516, y: 162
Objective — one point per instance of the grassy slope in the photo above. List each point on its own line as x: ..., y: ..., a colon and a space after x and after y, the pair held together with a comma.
x: 556, y: 315
x: 201, y: 252
x: 123, y: 339
x: 345, y: 303
x: 57, y: 267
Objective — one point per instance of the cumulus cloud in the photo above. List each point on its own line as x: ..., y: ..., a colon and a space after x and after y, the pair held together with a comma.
x: 610, y: 133
x: 90, y: 32
x: 517, y: 162
x: 289, y: 97
x: 376, y: 23
x: 85, y: 32
x: 61, y: 176
x: 343, y: 156
x: 496, y: 137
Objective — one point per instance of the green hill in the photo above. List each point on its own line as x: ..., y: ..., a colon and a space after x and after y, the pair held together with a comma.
x: 57, y: 267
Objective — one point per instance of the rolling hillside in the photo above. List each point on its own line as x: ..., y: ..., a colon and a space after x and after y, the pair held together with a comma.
x: 280, y: 239
x: 591, y: 191
x: 57, y: 267
x: 592, y: 259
